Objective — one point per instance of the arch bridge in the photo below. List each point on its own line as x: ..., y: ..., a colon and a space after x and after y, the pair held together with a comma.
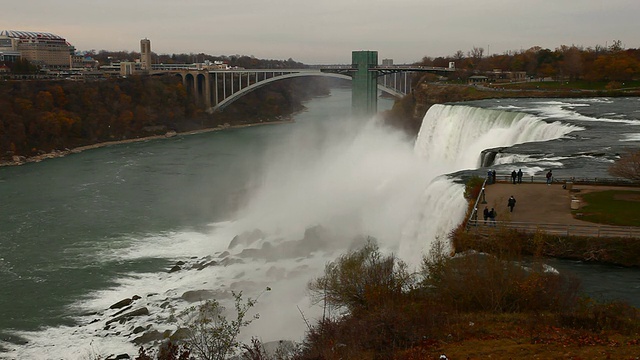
x: 217, y: 88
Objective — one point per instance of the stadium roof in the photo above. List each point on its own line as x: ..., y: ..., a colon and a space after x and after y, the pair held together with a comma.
x: 30, y: 35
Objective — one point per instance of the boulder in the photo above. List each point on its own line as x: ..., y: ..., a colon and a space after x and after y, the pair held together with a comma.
x: 122, y: 303
x: 198, y: 295
x: 126, y: 316
x: 139, y: 329
x: 246, y: 238
x: 180, y: 334
x: 122, y: 311
x: 148, y: 337
x: 118, y: 357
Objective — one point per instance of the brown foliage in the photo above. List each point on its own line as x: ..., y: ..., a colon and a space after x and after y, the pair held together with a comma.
x: 466, y: 298
x: 628, y: 166
x: 40, y: 116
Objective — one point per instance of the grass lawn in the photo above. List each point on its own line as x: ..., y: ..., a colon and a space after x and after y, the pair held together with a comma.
x: 612, y: 207
x: 520, y: 336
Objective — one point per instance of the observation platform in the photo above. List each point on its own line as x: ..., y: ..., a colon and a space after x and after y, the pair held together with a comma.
x: 546, y: 208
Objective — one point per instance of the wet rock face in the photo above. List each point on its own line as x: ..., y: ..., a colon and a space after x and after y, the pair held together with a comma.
x: 246, y: 238
x: 126, y: 316
x: 122, y: 303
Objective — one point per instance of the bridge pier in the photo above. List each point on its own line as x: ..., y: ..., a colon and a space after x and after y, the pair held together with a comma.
x: 364, y: 98
x: 198, y: 83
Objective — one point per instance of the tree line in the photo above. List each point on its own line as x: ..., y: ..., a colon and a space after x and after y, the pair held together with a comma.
x: 599, y: 63
x: 41, y: 116
x: 241, y: 61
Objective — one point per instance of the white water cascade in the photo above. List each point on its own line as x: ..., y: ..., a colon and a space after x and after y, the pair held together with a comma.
x: 456, y: 135
x: 325, y: 188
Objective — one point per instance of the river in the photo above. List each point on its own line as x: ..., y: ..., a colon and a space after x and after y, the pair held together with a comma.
x: 267, y: 206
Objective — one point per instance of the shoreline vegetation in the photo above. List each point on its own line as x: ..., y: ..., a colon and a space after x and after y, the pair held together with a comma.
x: 22, y: 160
x: 48, y: 119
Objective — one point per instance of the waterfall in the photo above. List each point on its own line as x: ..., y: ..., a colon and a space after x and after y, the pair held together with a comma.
x: 457, y: 134
x: 453, y: 138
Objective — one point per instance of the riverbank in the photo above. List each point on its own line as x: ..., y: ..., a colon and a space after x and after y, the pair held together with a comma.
x: 21, y: 160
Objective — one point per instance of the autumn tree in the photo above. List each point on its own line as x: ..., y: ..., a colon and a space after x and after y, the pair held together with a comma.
x: 571, y: 62
x: 628, y: 166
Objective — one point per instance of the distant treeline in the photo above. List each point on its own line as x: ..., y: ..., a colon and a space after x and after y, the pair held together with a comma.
x: 600, y: 63
x: 104, y: 57
x: 41, y: 116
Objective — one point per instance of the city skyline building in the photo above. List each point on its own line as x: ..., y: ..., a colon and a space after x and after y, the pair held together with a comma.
x: 40, y: 48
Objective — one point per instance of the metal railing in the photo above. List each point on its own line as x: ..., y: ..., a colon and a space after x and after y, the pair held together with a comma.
x: 604, y: 231
x: 474, y: 212
x: 563, y: 180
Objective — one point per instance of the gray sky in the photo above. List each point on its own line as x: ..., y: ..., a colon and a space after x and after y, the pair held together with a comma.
x: 326, y: 31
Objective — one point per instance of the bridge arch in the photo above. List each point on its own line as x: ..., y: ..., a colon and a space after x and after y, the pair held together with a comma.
x: 197, y: 84
x: 238, y: 94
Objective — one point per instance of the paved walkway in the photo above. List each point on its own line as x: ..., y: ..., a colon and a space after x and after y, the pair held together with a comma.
x: 538, y: 202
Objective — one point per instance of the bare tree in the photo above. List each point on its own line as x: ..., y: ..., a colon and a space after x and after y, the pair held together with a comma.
x: 628, y: 166
x: 476, y: 52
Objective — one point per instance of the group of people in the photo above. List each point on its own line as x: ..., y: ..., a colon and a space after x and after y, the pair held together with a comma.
x: 491, y: 177
x: 491, y: 214
x: 516, y: 177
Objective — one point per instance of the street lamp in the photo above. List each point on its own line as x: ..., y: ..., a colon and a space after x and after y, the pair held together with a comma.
x: 484, y: 200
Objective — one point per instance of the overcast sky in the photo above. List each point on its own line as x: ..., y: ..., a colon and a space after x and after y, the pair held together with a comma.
x: 326, y: 31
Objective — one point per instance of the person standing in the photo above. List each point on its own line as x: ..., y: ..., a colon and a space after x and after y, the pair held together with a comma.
x: 511, y: 203
x: 514, y: 175
x: 489, y: 177
x: 492, y: 217
x: 493, y: 175
x: 520, y: 176
x: 549, y: 177
x: 485, y: 214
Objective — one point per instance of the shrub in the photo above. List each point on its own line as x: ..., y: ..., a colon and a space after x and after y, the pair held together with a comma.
x: 593, y: 316
x: 210, y: 335
x: 361, y: 279
x: 628, y: 166
x: 500, y: 282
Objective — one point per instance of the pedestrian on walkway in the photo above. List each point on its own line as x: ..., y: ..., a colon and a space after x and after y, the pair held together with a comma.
x: 549, y: 177
x: 485, y: 214
x: 511, y: 203
x: 493, y: 175
x: 492, y: 217
x: 489, y: 177
x: 520, y: 176
x: 514, y: 175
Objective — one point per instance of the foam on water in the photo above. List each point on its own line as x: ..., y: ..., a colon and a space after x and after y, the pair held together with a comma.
x: 563, y: 110
x: 631, y: 137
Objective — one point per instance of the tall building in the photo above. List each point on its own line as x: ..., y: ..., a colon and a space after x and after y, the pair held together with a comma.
x: 145, y: 55
x: 40, y: 48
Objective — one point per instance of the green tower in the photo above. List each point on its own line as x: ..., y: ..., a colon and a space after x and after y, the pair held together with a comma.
x: 364, y: 100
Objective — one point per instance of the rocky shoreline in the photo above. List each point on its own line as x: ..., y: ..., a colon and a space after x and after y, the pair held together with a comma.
x: 21, y: 160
